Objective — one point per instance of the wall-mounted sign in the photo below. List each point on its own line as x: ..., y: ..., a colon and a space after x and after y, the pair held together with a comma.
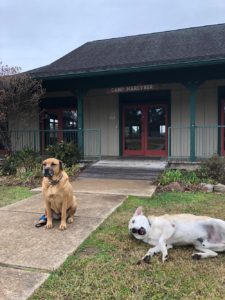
x: 132, y: 88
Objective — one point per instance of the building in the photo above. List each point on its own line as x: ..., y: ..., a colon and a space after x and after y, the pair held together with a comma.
x: 159, y: 94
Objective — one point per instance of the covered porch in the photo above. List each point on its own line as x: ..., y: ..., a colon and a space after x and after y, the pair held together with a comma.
x: 173, y: 121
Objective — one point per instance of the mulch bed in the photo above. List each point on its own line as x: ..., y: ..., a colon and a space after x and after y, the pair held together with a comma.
x: 179, y: 187
x: 32, y: 182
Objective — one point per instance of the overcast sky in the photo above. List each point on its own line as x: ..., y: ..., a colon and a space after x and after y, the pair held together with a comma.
x: 34, y: 33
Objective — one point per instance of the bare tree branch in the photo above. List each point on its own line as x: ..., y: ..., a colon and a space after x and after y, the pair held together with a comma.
x: 19, y: 94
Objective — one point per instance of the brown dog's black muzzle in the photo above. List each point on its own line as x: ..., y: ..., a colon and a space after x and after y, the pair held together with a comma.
x: 48, y: 172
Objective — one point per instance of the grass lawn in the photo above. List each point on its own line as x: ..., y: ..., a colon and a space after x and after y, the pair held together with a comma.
x: 11, y: 194
x: 105, y: 266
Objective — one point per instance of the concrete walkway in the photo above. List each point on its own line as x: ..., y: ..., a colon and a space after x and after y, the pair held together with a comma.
x: 28, y: 254
x: 126, y: 168
x: 141, y: 188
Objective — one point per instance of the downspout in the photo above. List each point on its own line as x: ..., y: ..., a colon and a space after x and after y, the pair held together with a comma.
x: 80, y: 122
x: 192, y: 87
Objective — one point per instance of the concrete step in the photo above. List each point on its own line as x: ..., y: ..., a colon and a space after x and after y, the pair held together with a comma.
x: 121, y: 173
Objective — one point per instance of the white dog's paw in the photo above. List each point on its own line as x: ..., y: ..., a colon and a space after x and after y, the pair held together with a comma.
x: 196, y: 256
x: 164, y: 257
x: 146, y: 259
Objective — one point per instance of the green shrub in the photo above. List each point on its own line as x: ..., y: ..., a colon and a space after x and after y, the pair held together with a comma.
x: 213, y: 169
x: 191, y: 177
x: 73, y: 170
x: 185, y: 177
x: 8, y: 166
x: 35, y: 172
x: 169, y: 176
x: 66, y: 152
x: 21, y: 161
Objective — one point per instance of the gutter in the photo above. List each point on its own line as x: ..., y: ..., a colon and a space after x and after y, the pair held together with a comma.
x: 115, y: 71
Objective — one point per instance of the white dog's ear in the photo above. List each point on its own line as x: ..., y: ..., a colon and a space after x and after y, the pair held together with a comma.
x: 138, y: 211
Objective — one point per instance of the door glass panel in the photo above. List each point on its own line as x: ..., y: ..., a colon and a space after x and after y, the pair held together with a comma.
x: 156, y: 138
x: 69, y: 125
x: 51, y: 125
x: 133, y: 129
x: 69, y: 119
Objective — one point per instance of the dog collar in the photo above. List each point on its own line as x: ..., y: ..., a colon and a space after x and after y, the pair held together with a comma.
x: 56, y: 181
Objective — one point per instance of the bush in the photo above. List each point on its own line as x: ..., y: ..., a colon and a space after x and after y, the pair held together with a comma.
x: 184, y: 177
x: 73, y: 170
x: 191, y: 177
x: 66, y: 152
x: 169, y: 176
x: 213, y: 169
x: 22, y: 161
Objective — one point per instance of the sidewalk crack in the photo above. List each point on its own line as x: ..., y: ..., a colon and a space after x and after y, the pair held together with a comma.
x: 24, y: 268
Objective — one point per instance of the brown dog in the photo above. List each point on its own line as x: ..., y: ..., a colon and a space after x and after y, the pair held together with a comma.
x: 58, y: 193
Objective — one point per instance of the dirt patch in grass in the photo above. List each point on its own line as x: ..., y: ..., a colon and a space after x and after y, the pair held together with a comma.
x: 105, y: 266
x: 89, y: 251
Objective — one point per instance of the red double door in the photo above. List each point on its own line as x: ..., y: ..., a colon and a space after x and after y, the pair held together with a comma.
x: 145, y: 130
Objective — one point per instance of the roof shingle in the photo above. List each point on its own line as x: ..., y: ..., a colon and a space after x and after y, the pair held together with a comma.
x: 196, y: 44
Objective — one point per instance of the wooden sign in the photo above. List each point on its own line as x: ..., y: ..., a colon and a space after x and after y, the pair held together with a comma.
x: 132, y: 88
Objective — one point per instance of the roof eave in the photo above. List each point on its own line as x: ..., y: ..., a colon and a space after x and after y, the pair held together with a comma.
x: 133, y: 69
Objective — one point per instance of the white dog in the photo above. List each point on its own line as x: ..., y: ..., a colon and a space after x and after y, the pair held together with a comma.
x: 206, y: 234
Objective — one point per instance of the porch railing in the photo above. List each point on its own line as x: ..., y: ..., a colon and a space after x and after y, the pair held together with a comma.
x: 88, y: 141
x: 208, y: 140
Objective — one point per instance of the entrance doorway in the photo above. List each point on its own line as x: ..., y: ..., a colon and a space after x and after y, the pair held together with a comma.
x: 145, y: 130
x: 58, y: 125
